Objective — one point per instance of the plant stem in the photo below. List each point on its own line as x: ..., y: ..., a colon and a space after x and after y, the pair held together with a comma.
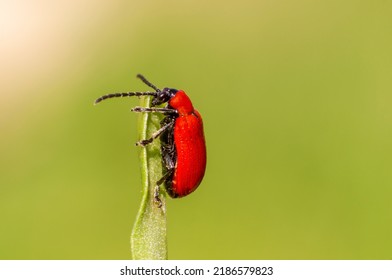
x: 148, y: 238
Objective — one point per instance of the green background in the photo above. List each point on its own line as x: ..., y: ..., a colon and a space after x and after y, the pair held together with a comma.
x: 296, y: 99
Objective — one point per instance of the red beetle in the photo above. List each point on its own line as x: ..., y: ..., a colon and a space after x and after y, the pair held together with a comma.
x: 183, y: 145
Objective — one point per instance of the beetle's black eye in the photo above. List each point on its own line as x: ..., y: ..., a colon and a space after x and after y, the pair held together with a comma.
x: 163, y: 96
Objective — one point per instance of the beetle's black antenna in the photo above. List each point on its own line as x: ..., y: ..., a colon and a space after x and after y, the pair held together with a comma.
x: 135, y: 93
x: 124, y: 94
x: 141, y: 77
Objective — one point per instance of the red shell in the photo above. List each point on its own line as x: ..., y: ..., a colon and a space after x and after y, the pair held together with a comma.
x: 190, y: 145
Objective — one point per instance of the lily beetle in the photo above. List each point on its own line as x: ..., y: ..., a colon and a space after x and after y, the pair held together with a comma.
x: 183, y: 147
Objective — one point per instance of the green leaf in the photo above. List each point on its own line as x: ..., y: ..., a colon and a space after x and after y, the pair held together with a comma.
x: 148, y: 238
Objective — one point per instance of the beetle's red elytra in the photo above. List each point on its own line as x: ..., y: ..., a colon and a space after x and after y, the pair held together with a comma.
x: 183, y: 147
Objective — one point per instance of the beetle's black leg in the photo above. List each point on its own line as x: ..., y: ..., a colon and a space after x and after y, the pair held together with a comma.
x: 153, y: 110
x: 169, y: 165
x: 155, y: 135
x: 157, y: 200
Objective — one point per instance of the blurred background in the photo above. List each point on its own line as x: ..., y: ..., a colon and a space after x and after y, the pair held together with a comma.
x: 296, y: 100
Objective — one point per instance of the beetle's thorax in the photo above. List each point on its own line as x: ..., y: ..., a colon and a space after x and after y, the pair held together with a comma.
x: 181, y: 102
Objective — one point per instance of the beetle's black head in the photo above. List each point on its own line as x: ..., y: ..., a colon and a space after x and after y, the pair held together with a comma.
x: 163, y: 96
